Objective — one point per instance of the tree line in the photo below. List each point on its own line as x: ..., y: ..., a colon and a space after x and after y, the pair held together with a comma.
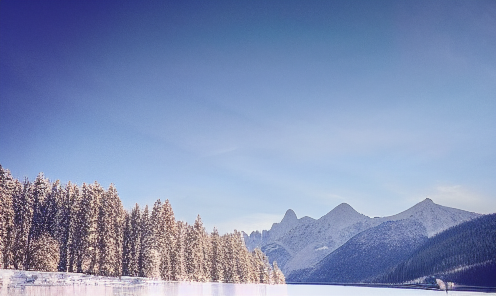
x: 47, y: 226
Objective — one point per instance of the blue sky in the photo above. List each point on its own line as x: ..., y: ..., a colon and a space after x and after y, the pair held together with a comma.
x: 239, y: 110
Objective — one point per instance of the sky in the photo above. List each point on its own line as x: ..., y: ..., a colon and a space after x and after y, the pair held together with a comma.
x: 240, y: 110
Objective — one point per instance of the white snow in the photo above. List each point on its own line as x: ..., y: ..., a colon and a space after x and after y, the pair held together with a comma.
x: 24, y: 283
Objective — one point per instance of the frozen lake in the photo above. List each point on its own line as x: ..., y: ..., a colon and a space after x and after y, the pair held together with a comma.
x: 217, y: 289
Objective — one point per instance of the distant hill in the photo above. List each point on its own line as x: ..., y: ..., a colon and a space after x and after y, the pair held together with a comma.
x: 300, y: 244
x: 369, y: 253
x: 464, y: 254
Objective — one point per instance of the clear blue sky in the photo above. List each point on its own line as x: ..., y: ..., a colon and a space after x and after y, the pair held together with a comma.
x: 239, y: 110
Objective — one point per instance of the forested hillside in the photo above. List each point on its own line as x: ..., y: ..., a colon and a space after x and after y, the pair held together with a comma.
x: 47, y: 226
x: 464, y: 254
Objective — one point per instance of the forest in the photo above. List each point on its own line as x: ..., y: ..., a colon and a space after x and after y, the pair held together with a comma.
x: 464, y: 254
x: 47, y: 226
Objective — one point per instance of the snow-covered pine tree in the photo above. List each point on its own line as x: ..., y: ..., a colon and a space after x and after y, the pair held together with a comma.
x: 23, y: 217
x: 92, y: 252
x: 207, y: 255
x: 148, y: 263
x: 243, y: 261
x: 230, y: 262
x: 189, y: 252
x: 73, y: 195
x: 65, y: 200
x: 262, y: 266
x: 111, y: 228
x: 7, y: 191
x: 135, y: 234
x: 44, y: 252
x: 180, y: 266
x: 105, y: 237
x: 40, y: 189
x: 83, y: 229
x: 126, y: 247
x: 217, y: 271
x: 278, y: 276
x: 157, y: 241
x: 51, y: 209
x: 168, y: 228
x: 197, y: 252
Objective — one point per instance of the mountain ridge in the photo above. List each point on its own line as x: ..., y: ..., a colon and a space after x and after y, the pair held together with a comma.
x: 298, y: 244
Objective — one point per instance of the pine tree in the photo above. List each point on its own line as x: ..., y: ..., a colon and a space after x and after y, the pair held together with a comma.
x: 84, y: 231
x: 148, y: 262
x: 45, y: 253
x: 73, y: 196
x: 7, y: 231
x: 241, y: 256
x: 134, y: 241
x: 65, y: 200
x: 110, y: 236
x: 217, y: 270
x: 262, y: 266
x: 180, y: 266
x: 126, y: 249
x: 197, y: 252
x: 277, y: 275
x: 168, y: 233
x: 23, y: 218
x: 156, y: 243
x: 230, y: 262
x: 39, y: 191
x: 92, y: 253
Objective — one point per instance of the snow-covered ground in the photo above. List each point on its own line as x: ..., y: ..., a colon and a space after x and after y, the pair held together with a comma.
x: 31, y: 283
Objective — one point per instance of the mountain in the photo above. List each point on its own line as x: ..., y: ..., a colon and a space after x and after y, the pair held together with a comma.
x: 434, y: 217
x: 464, y: 254
x: 371, y: 252
x: 299, y: 244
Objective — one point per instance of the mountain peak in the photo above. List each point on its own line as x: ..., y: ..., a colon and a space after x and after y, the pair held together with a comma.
x: 289, y: 216
x: 344, y: 207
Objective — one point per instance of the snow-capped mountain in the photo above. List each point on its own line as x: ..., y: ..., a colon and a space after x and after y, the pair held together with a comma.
x: 367, y: 254
x: 302, y: 243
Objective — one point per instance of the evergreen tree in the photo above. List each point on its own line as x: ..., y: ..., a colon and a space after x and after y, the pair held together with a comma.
x: 23, y: 218
x: 93, y: 252
x: 157, y: 241
x: 65, y: 200
x: 197, y: 242
x: 45, y: 253
x: 168, y: 233
x: 242, y: 258
x: 39, y: 191
x: 217, y: 270
x: 148, y: 262
x: 73, y: 196
x: 278, y: 276
x: 111, y: 228
x: 262, y: 266
x: 84, y: 231
x: 7, y: 231
x: 180, y: 266
x: 230, y: 262
x: 126, y: 249
x: 136, y: 240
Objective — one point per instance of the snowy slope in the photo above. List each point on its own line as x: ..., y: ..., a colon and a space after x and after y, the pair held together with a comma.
x: 434, y: 217
x: 302, y: 243
x: 369, y: 253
